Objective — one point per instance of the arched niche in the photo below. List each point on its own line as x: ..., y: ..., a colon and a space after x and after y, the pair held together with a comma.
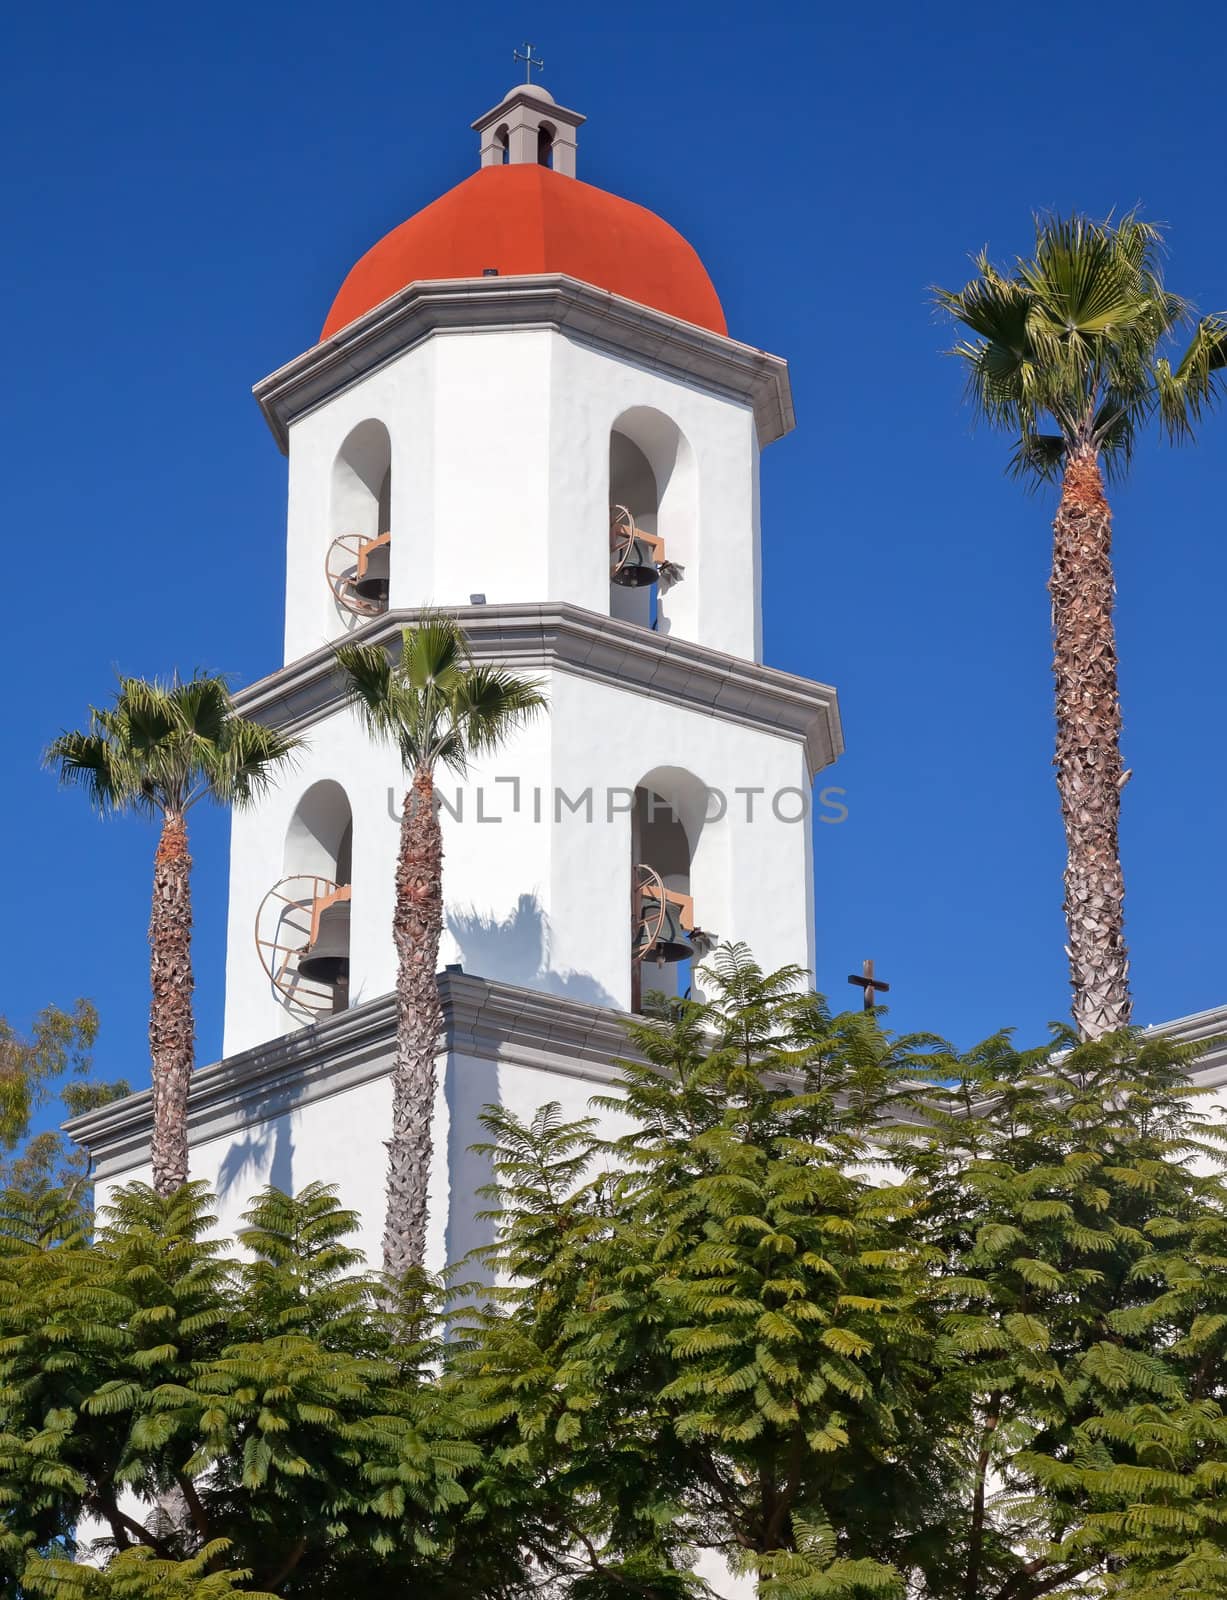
x: 546, y: 133
x: 361, y: 519
x: 319, y: 838
x: 318, y: 858
x: 652, y: 473
x: 668, y: 820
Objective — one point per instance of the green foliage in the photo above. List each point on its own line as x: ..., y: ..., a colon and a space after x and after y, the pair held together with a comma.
x: 140, y: 1575
x: 715, y: 1333
x: 1078, y: 1204
x: 1069, y: 349
x: 161, y: 747
x: 864, y: 1315
x: 49, y: 1066
x: 264, y: 1424
x: 431, y: 699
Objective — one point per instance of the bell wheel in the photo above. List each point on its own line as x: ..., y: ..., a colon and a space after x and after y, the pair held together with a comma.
x: 341, y: 569
x: 649, y: 888
x: 283, y: 933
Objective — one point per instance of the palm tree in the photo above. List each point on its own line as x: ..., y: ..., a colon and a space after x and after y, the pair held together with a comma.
x: 1068, y: 355
x: 157, y: 750
x: 436, y: 705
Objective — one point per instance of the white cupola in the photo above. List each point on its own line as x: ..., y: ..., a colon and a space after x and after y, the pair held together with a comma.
x: 529, y: 127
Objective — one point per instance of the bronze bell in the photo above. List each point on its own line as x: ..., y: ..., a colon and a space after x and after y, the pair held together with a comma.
x: 326, y: 958
x: 374, y: 571
x: 633, y: 567
x: 672, y: 943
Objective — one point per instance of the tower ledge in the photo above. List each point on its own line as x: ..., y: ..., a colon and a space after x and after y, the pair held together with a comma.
x: 555, y: 635
x: 482, y: 1019
x: 550, y: 300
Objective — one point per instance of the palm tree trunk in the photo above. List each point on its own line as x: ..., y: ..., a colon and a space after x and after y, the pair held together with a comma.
x: 417, y: 927
x: 1088, y: 758
x: 172, y: 1031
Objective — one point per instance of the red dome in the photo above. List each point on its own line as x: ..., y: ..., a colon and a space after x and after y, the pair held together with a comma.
x: 524, y: 219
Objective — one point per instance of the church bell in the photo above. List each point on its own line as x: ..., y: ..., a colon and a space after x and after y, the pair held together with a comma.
x: 632, y: 554
x: 326, y: 958
x: 661, y: 933
x: 371, y: 581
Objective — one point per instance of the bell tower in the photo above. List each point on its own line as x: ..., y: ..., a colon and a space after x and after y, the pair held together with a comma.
x: 528, y: 126
x: 525, y: 407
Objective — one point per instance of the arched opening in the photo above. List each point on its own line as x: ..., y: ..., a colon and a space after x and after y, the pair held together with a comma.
x: 359, y: 556
x: 666, y: 822
x: 653, y: 515
x: 633, y: 504
x: 302, y: 929
x: 545, y: 145
x: 503, y: 144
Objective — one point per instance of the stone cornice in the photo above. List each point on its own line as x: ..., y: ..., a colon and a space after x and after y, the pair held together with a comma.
x: 1209, y: 1027
x: 482, y: 1018
x: 523, y: 95
x: 492, y: 1021
x: 567, y: 638
x: 543, y: 300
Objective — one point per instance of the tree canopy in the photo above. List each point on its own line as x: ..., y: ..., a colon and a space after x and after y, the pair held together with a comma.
x: 1073, y: 348
x: 831, y: 1312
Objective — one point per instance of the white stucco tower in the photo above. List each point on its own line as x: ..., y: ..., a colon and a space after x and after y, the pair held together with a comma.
x: 525, y: 407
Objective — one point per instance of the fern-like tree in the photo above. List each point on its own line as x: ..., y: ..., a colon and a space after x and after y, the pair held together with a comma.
x: 715, y: 1330
x: 437, y: 706
x: 156, y: 751
x: 1070, y: 353
x: 1076, y: 1220
x: 289, y: 1407
x: 864, y: 1314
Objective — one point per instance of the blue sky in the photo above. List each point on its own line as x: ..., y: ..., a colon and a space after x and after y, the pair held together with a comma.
x: 185, y: 191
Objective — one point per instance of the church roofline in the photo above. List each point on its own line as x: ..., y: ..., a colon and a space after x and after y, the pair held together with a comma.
x: 1210, y: 1027
x: 482, y: 1018
x: 528, y: 94
x: 546, y: 300
x: 567, y: 638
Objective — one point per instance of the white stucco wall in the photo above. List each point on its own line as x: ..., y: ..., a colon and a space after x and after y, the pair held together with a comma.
x: 539, y: 896
x: 500, y: 484
x: 339, y: 1139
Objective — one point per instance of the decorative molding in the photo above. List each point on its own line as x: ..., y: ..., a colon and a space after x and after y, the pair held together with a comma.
x: 560, y: 637
x: 550, y: 300
x: 1210, y: 1026
x: 482, y: 1018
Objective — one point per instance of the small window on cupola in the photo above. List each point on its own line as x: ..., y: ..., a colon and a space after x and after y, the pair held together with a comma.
x: 545, y: 145
x: 502, y: 140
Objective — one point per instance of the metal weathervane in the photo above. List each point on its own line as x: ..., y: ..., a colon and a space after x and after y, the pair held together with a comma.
x: 531, y: 62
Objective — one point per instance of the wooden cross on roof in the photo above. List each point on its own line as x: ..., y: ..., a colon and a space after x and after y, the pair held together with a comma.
x: 871, y: 985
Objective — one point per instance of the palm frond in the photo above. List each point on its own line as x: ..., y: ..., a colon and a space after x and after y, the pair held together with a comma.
x: 97, y: 764
x: 431, y: 700
x: 1185, y: 394
x: 160, y: 747
x: 490, y: 702
x: 249, y: 756
x: 1038, y: 457
x: 1068, y: 343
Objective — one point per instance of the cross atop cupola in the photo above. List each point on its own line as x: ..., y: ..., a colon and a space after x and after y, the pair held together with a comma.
x: 527, y: 127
